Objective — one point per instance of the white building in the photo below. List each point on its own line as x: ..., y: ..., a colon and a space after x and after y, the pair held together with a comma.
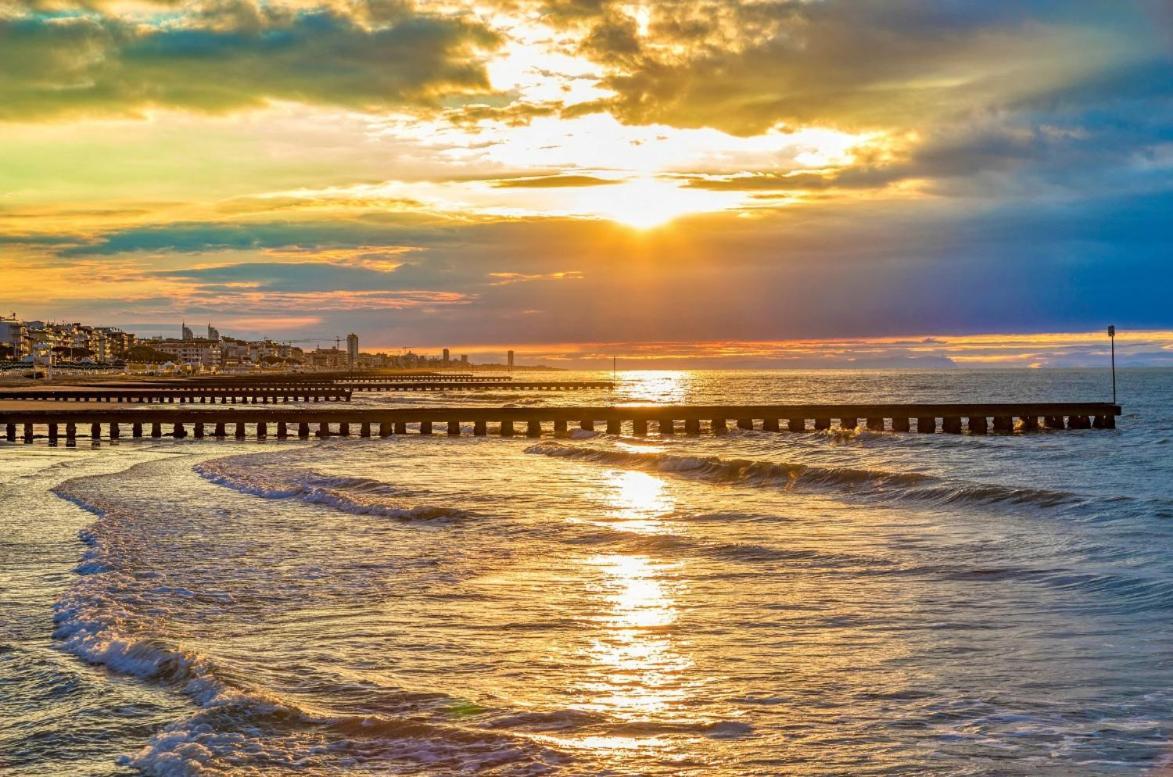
x: 15, y: 337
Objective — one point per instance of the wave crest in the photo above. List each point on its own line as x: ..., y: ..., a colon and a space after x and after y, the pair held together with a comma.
x: 793, y: 475
x: 357, y: 496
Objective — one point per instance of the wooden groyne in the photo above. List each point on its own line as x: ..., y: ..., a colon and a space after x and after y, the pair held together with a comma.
x: 347, y: 386
x: 184, y: 394
x: 316, y: 379
x: 257, y: 422
x: 482, y: 385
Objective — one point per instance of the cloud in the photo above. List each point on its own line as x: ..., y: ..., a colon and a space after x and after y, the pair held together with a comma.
x: 94, y: 63
x: 746, y: 67
x: 506, y: 278
x: 553, y: 182
x: 200, y: 237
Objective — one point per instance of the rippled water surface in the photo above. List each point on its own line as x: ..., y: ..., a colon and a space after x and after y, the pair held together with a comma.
x: 756, y: 603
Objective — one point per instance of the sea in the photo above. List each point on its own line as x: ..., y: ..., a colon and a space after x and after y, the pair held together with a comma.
x: 759, y: 603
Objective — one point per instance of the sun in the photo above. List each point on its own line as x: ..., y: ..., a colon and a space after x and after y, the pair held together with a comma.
x: 647, y: 203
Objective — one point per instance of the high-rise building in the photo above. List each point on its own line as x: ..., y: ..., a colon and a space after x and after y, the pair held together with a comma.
x: 185, y: 333
x: 352, y: 350
x: 509, y: 359
x: 213, y: 333
x: 464, y: 359
x: 447, y: 358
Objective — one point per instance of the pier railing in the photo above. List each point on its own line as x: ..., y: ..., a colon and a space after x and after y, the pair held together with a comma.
x: 637, y: 420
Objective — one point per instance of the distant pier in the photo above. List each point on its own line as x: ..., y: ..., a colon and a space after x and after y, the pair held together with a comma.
x: 191, y: 392
x: 255, y: 422
x: 184, y: 394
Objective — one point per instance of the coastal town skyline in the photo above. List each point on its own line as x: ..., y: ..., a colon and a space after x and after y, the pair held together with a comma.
x: 21, y: 339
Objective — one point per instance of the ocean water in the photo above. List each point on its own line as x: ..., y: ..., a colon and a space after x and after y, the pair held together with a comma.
x: 823, y: 603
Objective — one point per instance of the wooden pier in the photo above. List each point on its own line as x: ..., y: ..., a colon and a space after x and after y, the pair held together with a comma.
x: 637, y: 420
x: 476, y: 384
x: 482, y: 385
x: 185, y: 394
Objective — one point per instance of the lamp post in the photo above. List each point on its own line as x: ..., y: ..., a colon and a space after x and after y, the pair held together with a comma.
x: 1112, y: 336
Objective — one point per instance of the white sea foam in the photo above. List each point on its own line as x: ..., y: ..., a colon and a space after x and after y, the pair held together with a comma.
x: 357, y: 496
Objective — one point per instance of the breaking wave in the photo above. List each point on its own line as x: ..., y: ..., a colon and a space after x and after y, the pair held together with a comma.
x: 355, y: 495
x: 796, y: 476
x: 114, y: 616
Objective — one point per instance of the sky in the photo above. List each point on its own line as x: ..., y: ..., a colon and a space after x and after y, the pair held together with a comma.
x: 674, y: 182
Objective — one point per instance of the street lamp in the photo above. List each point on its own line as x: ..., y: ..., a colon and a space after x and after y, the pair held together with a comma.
x: 1112, y: 335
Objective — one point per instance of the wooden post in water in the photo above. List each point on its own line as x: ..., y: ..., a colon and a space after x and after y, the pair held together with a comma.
x: 1003, y: 423
x: 156, y: 430
x: 533, y: 428
x: 667, y: 427
x: 303, y: 431
x: 262, y: 430
x: 614, y: 426
x: 901, y: 423
x: 219, y: 431
x: 425, y: 427
x: 52, y: 434
x: 343, y: 429
x: 95, y: 432
x: 848, y: 423
x: 977, y: 424
x: 692, y: 426
x: 10, y: 432
x: 178, y: 432
x: 822, y: 424
x: 639, y: 427
x: 71, y: 433
x: 718, y: 426
x: 240, y: 430
x: 875, y: 424
x: 480, y: 428
x: 951, y: 424
x: 745, y: 423
x: 926, y: 425
x: 506, y: 428
x: 401, y: 427
x: 364, y: 429
x: 115, y: 432
x: 28, y: 433
x: 197, y: 430
x: 587, y: 425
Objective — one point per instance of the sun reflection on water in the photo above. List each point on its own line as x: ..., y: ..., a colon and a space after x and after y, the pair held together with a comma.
x: 637, y: 669
x: 637, y: 672
x: 637, y: 501
x: 660, y: 386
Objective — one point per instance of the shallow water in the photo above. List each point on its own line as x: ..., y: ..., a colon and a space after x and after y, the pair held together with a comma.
x: 758, y: 603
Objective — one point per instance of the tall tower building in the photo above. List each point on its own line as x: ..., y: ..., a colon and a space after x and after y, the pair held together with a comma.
x: 352, y: 350
x: 447, y: 358
x: 213, y: 333
x: 509, y: 359
x: 185, y: 333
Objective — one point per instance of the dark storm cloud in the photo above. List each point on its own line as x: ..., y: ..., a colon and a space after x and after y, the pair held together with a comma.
x: 93, y: 63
